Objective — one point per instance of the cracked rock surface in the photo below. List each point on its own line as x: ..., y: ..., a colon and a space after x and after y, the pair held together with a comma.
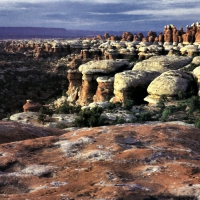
x: 127, y: 161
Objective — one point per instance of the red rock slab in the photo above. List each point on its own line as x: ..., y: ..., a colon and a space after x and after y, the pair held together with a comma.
x: 14, y: 131
x: 129, y: 161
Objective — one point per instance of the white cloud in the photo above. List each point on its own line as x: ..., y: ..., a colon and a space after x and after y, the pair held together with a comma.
x: 132, y: 2
x: 27, y: 1
x: 164, y: 12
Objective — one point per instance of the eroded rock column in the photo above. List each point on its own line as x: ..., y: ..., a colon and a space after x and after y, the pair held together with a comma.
x: 75, y: 82
x: 88, y: 89
x: 105, y: 89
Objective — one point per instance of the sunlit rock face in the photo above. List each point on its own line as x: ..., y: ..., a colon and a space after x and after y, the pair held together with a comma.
x: 196, y: 73
x: 84, y: 87
x: 171, y: 83
x: 132, y: 85
x: 105, y: 89
x: 163, y: 63
x: 75, y: 81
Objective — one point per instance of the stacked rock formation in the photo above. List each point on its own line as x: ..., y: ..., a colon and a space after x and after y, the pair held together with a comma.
x: 196, y: 73
x: 75, y: 81
x: 132, y: 85
x: 105, y: 89
x: 127, y: 36
x: 84, y: 84
x: 171, y: 40
x: 31, y: 106
x: 170, y: 83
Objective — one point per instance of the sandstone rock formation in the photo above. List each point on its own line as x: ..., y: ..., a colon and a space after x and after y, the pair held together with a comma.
x: 105, y: 89
x: 132, y: 85
x: 87, y: 48
x: 196, y: 73
x: 104, y: 66
x: 138, y: 37
x: 75, y: 81
x: 148, y: 50
x: 196, y: 60
x: 130, y: 161
x: 11, y: 131
x: 189, y: 50
x: 151, y: 35
x: 163, y: 63
x: 31, y: 106
x: 91, y: 71
x: 127, y: 36
x: 75, y: 63
x: 170, y: 83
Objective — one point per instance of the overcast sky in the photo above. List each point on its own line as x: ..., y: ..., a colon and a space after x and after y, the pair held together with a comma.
x: 103, y: 15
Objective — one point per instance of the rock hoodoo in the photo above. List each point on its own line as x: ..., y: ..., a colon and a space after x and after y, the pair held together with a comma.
x: 84, y: 85
x: 170, y: 83
x: 196, y: 73
x: 75, y: 81
x: 31, y: 106
x: 105, y: 89
x: 132, y: 85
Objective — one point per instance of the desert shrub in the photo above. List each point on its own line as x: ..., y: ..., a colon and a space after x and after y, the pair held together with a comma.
x: 89, y: 117
x: 197, y: 123
x: 65, y: 108
x: 41, y: 118
x: 193, y: 103
x: 146, y: 116
x: 64, y: 92
x: 111, y: 106
x: 132, y: 59
x: 46, y: 110
x: 42, y: 114
x: 61, y: 125
x: 161, y: 102
x: 128, y: 104
x: 181, y: 95
x: 119, y: 120
x: 190, y: 68
x: 165, y: 114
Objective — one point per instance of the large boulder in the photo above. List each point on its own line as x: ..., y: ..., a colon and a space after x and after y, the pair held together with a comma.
x: 189, y: 49
x: 196, y: 73
x: 103, y: 66
x: 196, y: 60
x: 132, y: 85
x: 170, y: 83
x: 163, y: 63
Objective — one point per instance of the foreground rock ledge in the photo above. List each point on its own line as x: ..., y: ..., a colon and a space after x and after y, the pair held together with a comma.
x: 135, y: 161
